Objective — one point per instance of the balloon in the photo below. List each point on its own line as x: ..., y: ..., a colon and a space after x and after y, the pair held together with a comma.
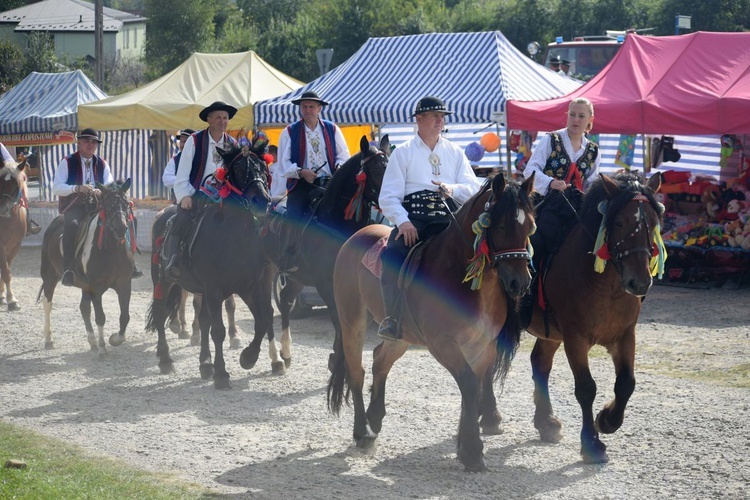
x: 474, y: 152
x: 490, y: 142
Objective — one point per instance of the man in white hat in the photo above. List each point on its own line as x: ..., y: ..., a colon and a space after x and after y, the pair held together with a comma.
x: 198, y: 160
x: 310, y: 151
x: 75, y: 180
x: 425, y: 176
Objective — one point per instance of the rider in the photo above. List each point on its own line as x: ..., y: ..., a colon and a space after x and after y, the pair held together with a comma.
x: 310, y: 151
x: 198, y: 160
x: 170, y: 171
x: 421, y: 173
x: 563, y: 160
x: 74, y: 183
x: 31, y: 226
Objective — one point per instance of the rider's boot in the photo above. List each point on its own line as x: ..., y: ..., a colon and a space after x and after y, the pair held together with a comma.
x: 68, y: 243
x: 389, y: 328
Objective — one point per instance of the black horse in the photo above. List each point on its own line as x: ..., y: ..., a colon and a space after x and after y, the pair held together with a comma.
x: 104, y: 260
x: 343, y: 210
x: 226, y: 257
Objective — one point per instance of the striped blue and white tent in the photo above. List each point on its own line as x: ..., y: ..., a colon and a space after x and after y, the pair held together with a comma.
x: 46, y: 102
x: 474, y: 73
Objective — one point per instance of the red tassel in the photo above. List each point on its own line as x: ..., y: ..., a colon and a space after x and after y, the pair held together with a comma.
x: 158, y: 292
x: 484, y: 248
x: 102, y: 220
x: 603, y: 253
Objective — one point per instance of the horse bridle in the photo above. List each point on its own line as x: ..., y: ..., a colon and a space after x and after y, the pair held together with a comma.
x: 511, y: 253
x: 14, y: 198
x: 364, y: 164
x: 249, y: 179
x: 617, y: 254
x: 113, y: 210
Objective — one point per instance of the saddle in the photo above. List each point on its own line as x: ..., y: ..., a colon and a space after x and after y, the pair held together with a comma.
x: 85, y: 238
x: 186, y: 244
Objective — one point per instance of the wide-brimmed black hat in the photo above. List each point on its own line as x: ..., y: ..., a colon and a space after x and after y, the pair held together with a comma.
x: 187, y: 132
x: 554, y: 60
x: 218, y: 106
x: 310, y: 95
x: 565, y: 62
x: 426, y: 104
x: 89, y: 133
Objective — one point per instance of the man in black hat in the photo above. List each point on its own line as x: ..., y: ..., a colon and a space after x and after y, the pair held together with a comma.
x: 554, y: 63
x: 198, y: 160
x: 170, y: 171
x: 564, y: 67
x: 75, y: 178
x: 426, y: 177
x: 310, y: 151
x: 31, y: 226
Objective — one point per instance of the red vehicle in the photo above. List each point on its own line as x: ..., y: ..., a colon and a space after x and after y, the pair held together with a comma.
x: 587, y: 54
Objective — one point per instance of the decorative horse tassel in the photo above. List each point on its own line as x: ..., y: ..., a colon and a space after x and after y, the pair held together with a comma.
x: 475, y: 269
x: 100, y: 225
x: 354, y: 208
x: 601, y: 250
x: 660, y: 254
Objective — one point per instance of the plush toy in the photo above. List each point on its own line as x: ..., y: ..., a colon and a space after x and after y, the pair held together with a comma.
x: 737, y: 206
x: 711, y: 199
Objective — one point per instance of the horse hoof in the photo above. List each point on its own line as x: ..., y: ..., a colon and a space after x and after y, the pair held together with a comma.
x: 249, y: 357
x: 550, y: 429
x: 103, y: 354
x: 166, y: 368
x: 175, y: 327
x: 605, y: 424
x: 195, y: 340
x: 594, y: 452
x: 235, y: 343
x: 491, y: 430
x: 287, y: 361
x: 116, y: 340
x: 278, y: 368
x: 366, y: 442
x: 183, y: 334
x: 93, y: 348
x: 207, y: 371
x: 480, y: 466
x: 13, y: 306
x: 49, y: 345
x: 222, y: 383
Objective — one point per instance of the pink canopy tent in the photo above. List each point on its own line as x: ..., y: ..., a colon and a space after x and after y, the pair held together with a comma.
x: 696, y: 84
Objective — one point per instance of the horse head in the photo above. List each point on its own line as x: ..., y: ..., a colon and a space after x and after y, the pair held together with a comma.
x: 114, y: 208
x: 504, y: 220
x: 629, y: 218
x: 247, y: 175
x: 12, y: 179
x: 373, y: 164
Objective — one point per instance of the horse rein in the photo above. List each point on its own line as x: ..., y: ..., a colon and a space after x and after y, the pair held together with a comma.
x: 618, y: 255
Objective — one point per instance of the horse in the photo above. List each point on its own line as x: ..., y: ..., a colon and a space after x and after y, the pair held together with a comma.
x: 472, y: 329
x: 104, y: 260
x: 226, y: 258
x: 619, y: 221
x: 344, y: 208
x: 12, y: 226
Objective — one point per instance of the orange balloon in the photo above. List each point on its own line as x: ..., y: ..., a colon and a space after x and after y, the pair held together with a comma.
x: 490, y: 142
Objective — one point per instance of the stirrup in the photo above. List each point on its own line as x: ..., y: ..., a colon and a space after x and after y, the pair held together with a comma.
x: 388, y: 329
x: 32, y: 227
x: 68, y: 278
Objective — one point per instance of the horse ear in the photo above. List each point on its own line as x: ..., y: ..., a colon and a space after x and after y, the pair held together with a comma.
x: 610, y: 186
x: 126, y: 185
x: 498, y: 184
x: 21, y: 166
x: 364, y: 145
x: 528, y: 184
x: 385, y: 145
x: 654, y: 183
x: 220, y: 150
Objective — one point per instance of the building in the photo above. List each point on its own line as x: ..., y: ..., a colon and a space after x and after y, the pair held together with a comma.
x: 71, y: 24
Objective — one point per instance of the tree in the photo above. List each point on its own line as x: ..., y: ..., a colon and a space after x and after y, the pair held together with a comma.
x: 174, y: 30
x: 11, y: 65
x: 41, y: 55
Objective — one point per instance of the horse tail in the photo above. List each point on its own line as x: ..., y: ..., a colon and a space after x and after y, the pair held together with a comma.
x: 39, y: 295
x: 507, y: 341
x: 171, y: 305
x: 337, y: 382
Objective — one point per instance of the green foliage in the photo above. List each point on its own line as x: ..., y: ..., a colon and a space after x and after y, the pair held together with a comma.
x: 11, y: 65
x: 58, y: 470
x: 41, y: 54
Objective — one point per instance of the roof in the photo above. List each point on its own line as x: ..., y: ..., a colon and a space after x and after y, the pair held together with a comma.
x: 65, y: 15
x: 474, y: 73
x: 174, y: 101
x: 46, y: 102
x: 695, y: 84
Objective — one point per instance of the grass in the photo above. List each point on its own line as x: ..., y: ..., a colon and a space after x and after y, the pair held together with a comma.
x: 62, y: 471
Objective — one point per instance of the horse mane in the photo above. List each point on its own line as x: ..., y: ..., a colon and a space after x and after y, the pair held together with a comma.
x: 504, y: 208
x: 630, y: 184
x: 336, y: 192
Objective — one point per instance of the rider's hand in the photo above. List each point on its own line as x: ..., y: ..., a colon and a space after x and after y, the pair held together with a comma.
x: 84, y: 189
x: 186, y: 203
x: 307, y: 175
x: 444, y: 189
x: 409, y: 233
x: 558, y: 185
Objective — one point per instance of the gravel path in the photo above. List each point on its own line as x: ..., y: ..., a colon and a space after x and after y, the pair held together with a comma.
x: 685, y: 433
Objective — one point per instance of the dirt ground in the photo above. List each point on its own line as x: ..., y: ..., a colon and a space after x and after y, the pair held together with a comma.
x: 684, y: 436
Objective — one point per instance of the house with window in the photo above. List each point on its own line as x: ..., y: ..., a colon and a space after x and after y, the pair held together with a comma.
x: 70, y: 23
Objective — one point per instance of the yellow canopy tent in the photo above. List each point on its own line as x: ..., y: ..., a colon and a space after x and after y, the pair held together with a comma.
x: 174, y: 101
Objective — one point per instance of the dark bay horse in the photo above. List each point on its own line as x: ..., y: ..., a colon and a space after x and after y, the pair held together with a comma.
x: 226, y: 258
x: 356, y: 182
x: 587, y: 308
x: 104, y: 261
x: 473, y: 333
x: 12, y: 227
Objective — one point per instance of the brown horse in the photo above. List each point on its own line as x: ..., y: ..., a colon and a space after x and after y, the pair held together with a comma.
x: 105, y: 261
x: 12, y: 227
x: 472, y: 333
x: 586, y: 308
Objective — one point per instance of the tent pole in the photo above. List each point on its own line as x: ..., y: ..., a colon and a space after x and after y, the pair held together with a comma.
x: 508, y: 167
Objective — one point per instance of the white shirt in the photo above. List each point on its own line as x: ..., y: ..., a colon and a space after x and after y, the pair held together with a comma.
x: 170, y: 173
x: 315, y: 150
x: 409, y: 171
x: 541, y: 153
x: 60, y: 187
x: 278, y: 183
x: 181, y: 184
